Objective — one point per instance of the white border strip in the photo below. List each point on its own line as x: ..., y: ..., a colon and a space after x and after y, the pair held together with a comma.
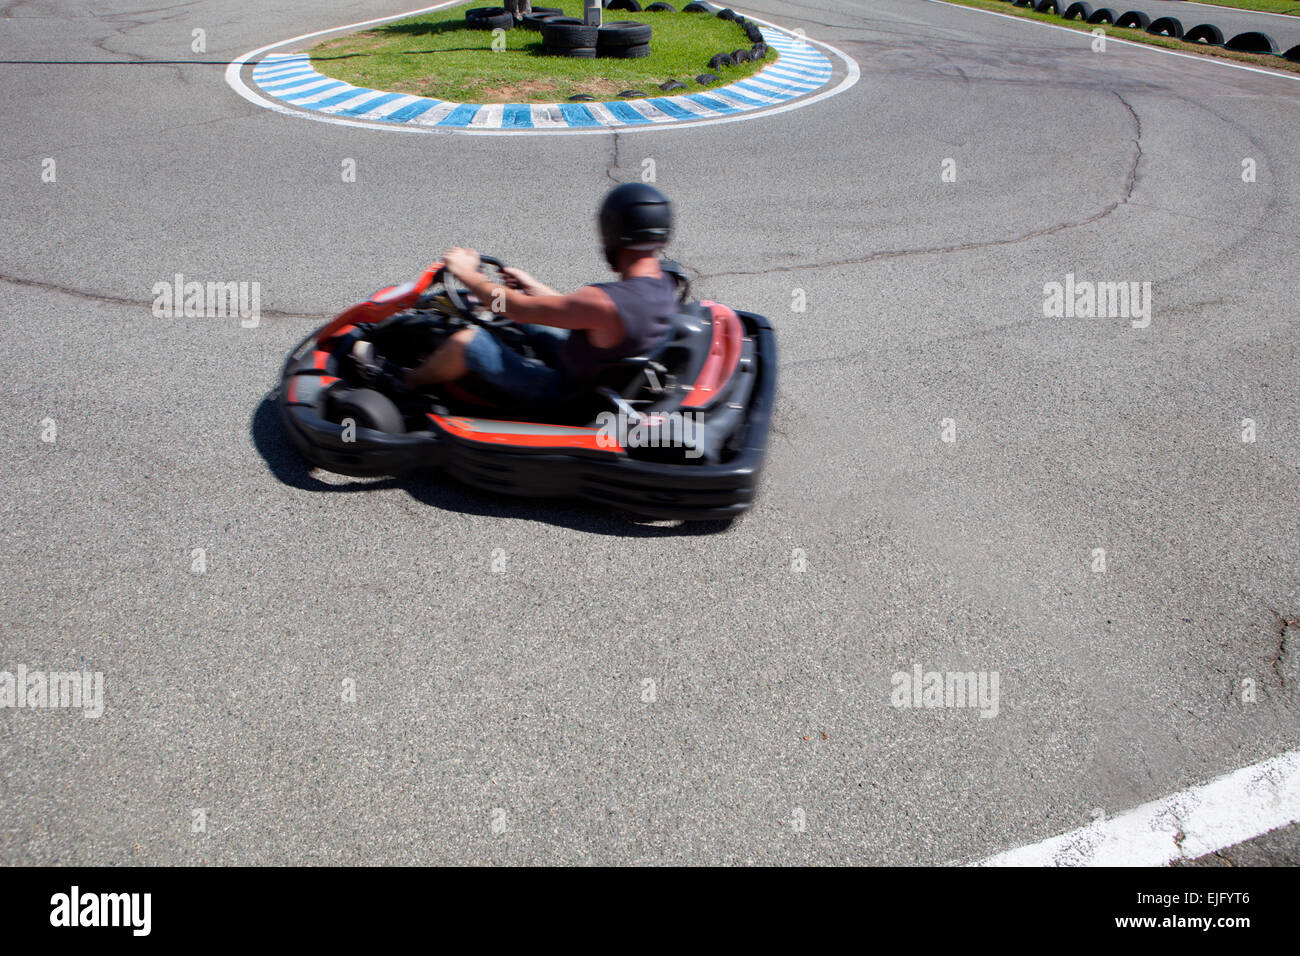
x: 1226, y: 811
x: 236, y: 82
x: 1216, y: 60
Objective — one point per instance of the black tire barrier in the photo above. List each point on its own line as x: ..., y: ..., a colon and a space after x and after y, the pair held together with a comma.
x: 568, y: 33
x: 1204, y: 33
x: 535, y: 21
x: 739, y: 56
x: 661, y: 8
x: 1166, y: 27
x: 634, y: 52
x: 1050, y: 6
x: 577, y: 52
x: 542, y: 11
x: 726, y: 14
x: 1079, y: 10
x: 581, y: 98
x: 635, y: 94
x: 489, y: 18
x: 1134, y: 19
x: 629, y: 6
x: 1252, y: 42
x: 719, y: 60
x: 753, y: 32
x: 1104, y: 15
x: 669, y: 85
x: 704, y: 79
x: 1024, y: 3
x: 758, y: 51
x: 697, y: 8
x: 620, y: 33
x: 1293, y: 54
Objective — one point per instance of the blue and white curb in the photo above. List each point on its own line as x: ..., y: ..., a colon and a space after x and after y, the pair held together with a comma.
x: 287, y: 83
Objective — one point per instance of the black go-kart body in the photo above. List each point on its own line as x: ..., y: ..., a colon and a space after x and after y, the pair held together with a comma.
x: 679, y: 433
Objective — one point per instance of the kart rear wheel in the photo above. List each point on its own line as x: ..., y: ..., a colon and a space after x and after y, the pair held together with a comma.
x: 367, y: 408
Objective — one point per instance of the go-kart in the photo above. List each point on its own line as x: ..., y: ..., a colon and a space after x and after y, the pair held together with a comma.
x: 678, y: 433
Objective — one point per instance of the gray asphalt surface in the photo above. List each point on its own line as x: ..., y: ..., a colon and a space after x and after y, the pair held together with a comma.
x: 523, y: 691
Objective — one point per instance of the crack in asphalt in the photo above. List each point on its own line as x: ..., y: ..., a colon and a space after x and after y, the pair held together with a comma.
x: 1280, y: 625
x: 134, y: 303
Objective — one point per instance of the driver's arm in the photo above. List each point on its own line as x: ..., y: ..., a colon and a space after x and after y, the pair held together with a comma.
x: 588, y: 308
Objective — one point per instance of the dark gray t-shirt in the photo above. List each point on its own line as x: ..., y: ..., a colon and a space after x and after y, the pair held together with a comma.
x: 644, y: 305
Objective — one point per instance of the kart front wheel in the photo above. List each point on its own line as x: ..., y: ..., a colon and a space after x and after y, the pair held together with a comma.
x: 367, y: 408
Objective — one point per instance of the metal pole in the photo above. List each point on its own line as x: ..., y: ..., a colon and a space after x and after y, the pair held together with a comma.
x: 591, y: 15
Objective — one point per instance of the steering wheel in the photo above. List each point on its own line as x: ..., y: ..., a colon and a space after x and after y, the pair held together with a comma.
x: 457, y: 299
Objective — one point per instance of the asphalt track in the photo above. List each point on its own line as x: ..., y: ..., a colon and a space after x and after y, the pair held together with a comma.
x: 519, y: 697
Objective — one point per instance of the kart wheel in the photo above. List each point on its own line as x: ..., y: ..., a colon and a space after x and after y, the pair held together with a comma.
x: 368, y: 408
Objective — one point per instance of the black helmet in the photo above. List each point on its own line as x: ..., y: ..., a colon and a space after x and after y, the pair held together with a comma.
x: 635, y: 216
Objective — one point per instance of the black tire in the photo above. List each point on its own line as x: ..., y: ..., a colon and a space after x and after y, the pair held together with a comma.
x: 581, y: 98
x: 626, y: 52
x: 1252, y: 42
x: 669, y: 85
x: 621, y: 33
x: 1166, y: 27
x: 1024, y: 3
x: 1204, y: 33
x: 1134, y: 20
x: 726, y: 14
x: 704, y: 79
x: 1049, y: 6
x: 1104, y: 15
x: 577, y: 52
x: 535, y: 21
x: 661, y: 8
x: 697, y: 8
x: 1293, y: 54
x: 1079, y: 10
x: 630, y: 6
x: 562, y: 34
x: 635, y: 94
x: 719, y: 60
x: 739, y: 56
x: 547, y: 11
x: 366, y: 407
x: 490, y: 18
x: 758, y: 51
x: 753, y: 33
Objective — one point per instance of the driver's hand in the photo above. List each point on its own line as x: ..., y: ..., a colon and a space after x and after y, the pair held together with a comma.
x: 521, y: 280
x: 463, y: 263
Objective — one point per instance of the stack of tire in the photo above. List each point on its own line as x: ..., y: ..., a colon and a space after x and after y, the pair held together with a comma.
x: 619, y: 39
x: 489, y: 18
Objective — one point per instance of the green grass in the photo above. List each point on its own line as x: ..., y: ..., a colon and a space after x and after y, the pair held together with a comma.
x: 1139, y: 36
x: 434, y: 55
x: 1267, y: 6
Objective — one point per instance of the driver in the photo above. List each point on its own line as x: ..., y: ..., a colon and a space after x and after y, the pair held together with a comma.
x: 571, y: 335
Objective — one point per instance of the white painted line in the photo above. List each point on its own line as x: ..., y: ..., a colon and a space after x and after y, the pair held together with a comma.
x: 1224, y: 812
x: 1087, y: 36
x: 425, y: 122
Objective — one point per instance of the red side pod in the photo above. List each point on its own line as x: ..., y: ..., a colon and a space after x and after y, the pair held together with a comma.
x: 523, y: 434
x: 385, y: 302
x: 724, y: 353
